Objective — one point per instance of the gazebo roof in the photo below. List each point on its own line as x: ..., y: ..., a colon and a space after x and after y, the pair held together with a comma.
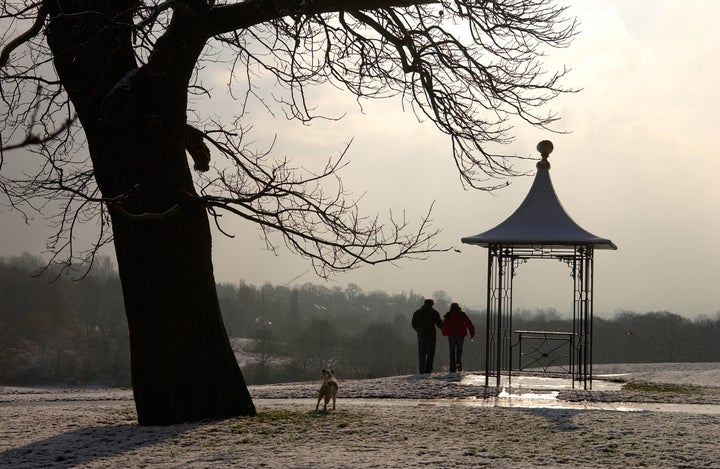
x: 541, y: 220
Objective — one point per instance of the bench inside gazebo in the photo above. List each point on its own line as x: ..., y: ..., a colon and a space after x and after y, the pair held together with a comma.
x: 539, y: 229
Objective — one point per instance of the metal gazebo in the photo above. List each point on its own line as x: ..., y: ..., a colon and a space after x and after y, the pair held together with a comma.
x: 539, y: 229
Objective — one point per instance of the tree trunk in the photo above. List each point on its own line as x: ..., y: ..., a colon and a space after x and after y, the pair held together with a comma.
x: 183, y: 368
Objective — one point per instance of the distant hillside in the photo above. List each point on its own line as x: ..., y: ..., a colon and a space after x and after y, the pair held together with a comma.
x: 64, y: 328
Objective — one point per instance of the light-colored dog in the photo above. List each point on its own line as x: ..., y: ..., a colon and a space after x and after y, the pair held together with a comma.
x: 328, y: 389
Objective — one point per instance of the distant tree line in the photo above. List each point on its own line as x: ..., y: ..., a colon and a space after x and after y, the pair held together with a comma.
x: 58, y: 329
x: 54, y: 329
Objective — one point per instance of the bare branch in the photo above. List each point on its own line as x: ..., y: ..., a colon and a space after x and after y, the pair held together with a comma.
x: 147, y: 216
x: 238, y: 16
x: 199, y: 152
x: 34, y: 139
x: 471, y: 68
x: 26, y: 36
x: 310, y: 209
x: 469, y: 77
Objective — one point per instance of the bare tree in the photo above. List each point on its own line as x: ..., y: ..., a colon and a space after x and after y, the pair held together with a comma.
x: 98, y: 93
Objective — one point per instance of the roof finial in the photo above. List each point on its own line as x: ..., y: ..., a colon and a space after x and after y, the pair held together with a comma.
x: 545, y: 148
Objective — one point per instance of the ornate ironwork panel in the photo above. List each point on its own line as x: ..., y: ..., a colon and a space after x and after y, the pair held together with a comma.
x: 547, y: 350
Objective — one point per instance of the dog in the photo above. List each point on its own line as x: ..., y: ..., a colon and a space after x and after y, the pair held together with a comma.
x: 328, y: 389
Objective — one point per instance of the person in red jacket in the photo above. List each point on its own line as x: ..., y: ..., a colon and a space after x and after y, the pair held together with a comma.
x: 455, y: 326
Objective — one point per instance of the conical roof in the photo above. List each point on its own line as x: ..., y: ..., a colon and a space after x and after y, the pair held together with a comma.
x: 541, y: 219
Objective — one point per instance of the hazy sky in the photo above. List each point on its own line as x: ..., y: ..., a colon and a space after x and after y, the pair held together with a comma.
x: 639, y: 167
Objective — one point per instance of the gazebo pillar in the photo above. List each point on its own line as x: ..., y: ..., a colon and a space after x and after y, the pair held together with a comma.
x: 582, y: 273
x: 498, y: 338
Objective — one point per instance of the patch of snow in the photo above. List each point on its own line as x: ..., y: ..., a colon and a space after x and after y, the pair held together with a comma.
x: 401, y: 421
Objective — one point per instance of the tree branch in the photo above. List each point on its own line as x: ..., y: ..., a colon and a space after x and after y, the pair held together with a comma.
x: 468, y: 66
x: 224, y: 19
x: 34, y: 139
x: 24, y: 37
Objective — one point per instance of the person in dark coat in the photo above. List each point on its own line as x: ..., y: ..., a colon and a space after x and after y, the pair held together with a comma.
x: 455, y: 326
x: 424, y: 321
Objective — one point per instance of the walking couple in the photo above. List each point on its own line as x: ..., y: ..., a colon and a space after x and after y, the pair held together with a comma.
x: 455, y: 325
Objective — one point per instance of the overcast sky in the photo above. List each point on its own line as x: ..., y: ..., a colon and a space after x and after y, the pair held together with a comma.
x: 639, y: 167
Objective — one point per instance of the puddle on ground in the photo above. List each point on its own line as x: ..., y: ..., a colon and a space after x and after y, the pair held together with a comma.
x: 530, y: 401
x: 517, y: 384
x: 536, y: 392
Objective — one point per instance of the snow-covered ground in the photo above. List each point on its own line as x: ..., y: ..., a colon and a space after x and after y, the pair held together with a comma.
x: 441, y: 420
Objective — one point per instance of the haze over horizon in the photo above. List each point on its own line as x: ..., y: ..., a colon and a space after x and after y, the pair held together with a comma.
x: 637, y: 167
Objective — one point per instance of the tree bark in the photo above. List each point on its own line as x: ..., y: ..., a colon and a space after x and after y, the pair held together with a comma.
x: 183, y: 368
